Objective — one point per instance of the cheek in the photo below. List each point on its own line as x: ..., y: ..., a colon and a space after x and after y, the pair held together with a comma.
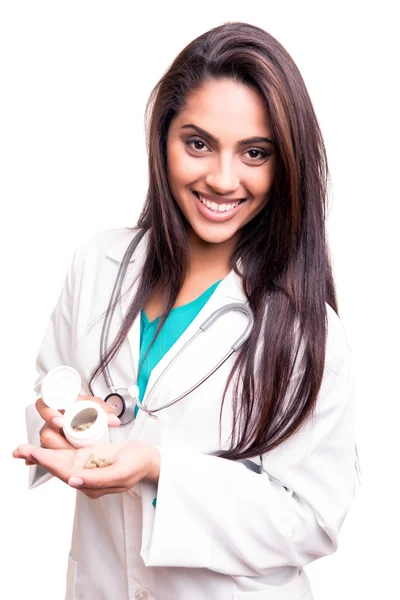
x: 176, y: 166
x: 183, y: 170
x: 263, y: 180
x: 265, y: 177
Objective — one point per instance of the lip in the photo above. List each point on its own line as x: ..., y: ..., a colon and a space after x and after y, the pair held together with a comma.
x: 215, y: 216
x: 217, y: 199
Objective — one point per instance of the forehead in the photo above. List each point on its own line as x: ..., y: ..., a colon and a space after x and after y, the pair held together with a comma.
x: 226, y: 109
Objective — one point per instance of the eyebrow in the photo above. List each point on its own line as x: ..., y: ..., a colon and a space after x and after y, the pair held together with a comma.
x: 251, y: 140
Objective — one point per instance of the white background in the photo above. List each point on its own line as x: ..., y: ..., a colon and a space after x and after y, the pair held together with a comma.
x: 74, y: 80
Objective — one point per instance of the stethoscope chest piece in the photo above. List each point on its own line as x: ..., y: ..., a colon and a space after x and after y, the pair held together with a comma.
x: 123, y: 405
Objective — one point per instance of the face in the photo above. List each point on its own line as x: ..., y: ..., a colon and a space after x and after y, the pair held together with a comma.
x: 221, y: 160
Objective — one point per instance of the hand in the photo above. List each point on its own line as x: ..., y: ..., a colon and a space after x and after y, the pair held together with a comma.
x: 51, y: 435
x: 133, y: 461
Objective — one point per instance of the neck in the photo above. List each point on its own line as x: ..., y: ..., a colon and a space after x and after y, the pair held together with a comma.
x: 206, y: 256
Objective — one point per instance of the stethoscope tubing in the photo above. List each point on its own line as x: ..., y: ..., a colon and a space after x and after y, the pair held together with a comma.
x: 113, y: 303
x: 115, y: 294
x: 240, y: 306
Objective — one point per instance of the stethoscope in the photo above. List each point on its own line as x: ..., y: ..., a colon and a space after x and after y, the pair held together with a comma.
x: 124, y: 400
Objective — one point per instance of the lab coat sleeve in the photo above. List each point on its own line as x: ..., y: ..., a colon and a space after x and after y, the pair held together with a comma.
x: 217, y: 514
x: 55, y: 350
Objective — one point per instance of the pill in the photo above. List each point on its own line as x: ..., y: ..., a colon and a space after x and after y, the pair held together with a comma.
x: 83, y: 426
x: 93, y: 462
x: 90, y: 465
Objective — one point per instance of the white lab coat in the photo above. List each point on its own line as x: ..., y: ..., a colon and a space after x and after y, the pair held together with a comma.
x: 219, y: 530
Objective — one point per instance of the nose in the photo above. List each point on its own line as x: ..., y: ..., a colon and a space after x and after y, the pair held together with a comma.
x: 223, y: 178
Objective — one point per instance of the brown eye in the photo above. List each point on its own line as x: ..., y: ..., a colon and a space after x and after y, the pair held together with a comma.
x: 257, y: 154
x: 195, y: 144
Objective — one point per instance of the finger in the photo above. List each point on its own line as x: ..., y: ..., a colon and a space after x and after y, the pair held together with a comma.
x: 48, y: 414
x: 95, y: 494
x: 29, y: 463
x: 57, y: 423
x: 99, y: 479
x: 24, y: 451
x: 53, y: 440
x: 44, y: 456
x: 113, y: 420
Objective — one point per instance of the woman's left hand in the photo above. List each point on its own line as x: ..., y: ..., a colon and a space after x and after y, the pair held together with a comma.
x: 133, y: 461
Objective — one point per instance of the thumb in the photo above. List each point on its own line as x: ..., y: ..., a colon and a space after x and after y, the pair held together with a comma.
x: 113, y: 420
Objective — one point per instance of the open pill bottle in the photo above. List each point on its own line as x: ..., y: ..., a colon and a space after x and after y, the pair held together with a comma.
x: 60, y: 389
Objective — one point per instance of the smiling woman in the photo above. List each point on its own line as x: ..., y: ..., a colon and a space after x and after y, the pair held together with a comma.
x: 234, y: 488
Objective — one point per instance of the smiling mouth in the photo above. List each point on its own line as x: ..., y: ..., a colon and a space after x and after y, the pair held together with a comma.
x: 218, y: 207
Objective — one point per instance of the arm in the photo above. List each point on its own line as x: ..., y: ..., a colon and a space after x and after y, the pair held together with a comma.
x: 62, y: 337
x: 216, y: 514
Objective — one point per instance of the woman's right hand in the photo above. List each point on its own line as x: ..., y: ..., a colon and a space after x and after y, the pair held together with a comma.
x: 51, y: 435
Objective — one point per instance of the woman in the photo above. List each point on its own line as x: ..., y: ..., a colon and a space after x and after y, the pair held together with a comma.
x: 230, y: 491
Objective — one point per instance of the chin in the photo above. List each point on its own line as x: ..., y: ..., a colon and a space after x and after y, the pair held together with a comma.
x: 217, y: 234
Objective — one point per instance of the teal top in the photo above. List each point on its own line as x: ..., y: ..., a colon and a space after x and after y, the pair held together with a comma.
x: 177, y: 321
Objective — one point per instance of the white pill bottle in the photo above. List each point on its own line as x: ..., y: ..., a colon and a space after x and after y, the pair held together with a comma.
x: 60, y: 389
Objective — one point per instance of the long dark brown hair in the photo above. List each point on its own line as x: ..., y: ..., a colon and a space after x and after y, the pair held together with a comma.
x: 283, y: 254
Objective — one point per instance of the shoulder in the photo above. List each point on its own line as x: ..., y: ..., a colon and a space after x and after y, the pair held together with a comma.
x: 108, y: 242
x: 106, y: 246
x: 100, y: 255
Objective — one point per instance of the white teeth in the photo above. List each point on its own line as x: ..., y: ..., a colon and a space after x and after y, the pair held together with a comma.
x: 217, y: 207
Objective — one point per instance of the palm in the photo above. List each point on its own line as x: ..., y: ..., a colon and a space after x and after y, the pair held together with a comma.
x: 61, y: 463
x: 65, y: 463
x: 130, y: 463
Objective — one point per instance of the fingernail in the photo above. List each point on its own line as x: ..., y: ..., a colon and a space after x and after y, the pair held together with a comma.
x: 75, y: 481
x: 113, y: 419
x: 57, y: 421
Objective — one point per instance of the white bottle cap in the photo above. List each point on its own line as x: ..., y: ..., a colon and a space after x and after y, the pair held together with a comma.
x: 60, y: 387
